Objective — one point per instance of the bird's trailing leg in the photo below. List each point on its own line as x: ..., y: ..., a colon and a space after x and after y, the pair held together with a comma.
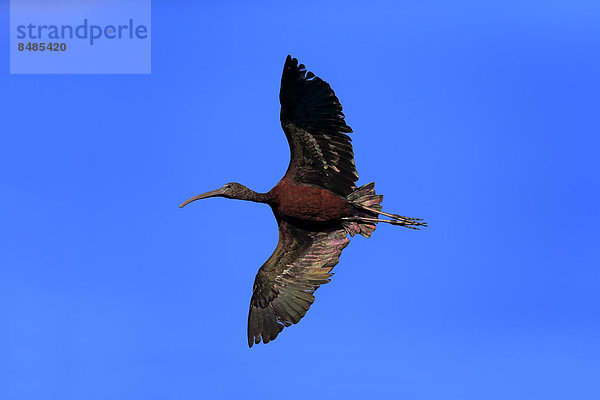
x: 397, y: 217
x: 368, y: 205
x: 411, y: 223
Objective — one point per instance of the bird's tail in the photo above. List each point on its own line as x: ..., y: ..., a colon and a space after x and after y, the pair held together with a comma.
x: 363, y: 197
x: 368, y: 205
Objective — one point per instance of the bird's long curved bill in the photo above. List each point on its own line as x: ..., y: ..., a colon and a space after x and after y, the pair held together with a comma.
x: 212, y: 193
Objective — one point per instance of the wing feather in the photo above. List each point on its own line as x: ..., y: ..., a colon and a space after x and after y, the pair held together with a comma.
x: 312, y: 118
x: 284, y: 285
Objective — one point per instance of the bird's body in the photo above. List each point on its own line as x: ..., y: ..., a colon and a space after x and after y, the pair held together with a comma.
x: 316, y: 204
x: 308, y: 203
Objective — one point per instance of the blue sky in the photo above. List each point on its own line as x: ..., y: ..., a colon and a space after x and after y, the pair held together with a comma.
x: 482, y: 119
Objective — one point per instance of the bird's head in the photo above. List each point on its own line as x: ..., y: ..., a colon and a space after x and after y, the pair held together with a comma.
x: 231, y: 190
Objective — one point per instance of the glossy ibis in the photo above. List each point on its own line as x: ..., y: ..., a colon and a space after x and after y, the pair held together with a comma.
x: 316, y: 204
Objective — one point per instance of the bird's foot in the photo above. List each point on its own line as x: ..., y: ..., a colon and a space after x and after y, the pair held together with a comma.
x: 412, y: 223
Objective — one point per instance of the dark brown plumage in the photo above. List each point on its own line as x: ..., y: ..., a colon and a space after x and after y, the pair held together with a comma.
x: 316, y: 204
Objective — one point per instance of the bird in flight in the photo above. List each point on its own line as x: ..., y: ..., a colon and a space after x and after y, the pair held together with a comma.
x: 316, y: 204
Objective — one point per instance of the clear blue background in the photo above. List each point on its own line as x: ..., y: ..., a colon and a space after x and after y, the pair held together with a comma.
x: 483, y: 119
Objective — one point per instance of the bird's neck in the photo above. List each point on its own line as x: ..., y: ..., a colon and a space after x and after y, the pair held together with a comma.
x: 251, y: 195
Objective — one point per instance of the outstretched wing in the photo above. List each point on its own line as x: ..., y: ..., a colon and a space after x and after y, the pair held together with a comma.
x: 284, y: 285
x: 312, y: 118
